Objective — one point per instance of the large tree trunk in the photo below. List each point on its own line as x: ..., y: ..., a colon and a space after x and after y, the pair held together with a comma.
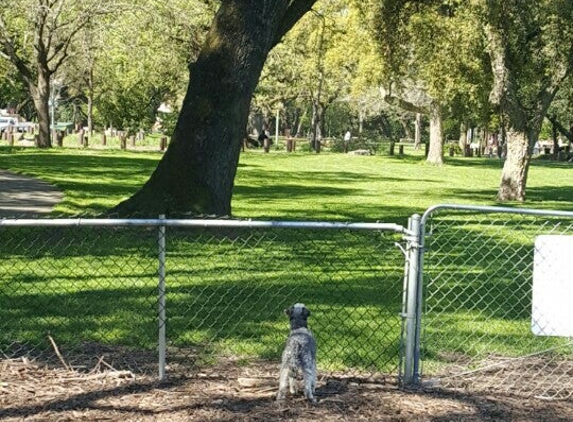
x: 41, y: 98
x: 463, y: 141
x: 90, y: 105
x: 555, y: 142
x: 197, y: 172
x: 315, y: 134
x: 407, y: 130
x: 436, y: 152
x: 418, y: 131
x: 515, y: 168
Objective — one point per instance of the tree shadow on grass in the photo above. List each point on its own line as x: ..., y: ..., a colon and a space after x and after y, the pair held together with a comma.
x: 484, y: 162
x: 222, y: 295
x: 538, y: 197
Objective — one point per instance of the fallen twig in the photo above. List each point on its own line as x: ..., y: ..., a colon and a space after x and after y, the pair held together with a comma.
x: 96, y: 366
x: 57, y: 351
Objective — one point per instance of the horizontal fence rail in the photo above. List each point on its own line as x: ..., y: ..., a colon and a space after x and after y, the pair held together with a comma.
x: 476, y: 313
x: 199, y: 296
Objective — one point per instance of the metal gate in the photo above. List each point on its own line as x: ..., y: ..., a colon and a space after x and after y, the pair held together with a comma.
x: 473, y: 300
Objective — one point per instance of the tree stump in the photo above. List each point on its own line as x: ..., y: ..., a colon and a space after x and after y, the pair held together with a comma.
x: 267, y: 144
x: 60, y: 138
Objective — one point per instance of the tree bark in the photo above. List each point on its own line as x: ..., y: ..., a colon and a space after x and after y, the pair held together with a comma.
x: 41, y: 97
x: 90, y: 105
x: 463, y: 141
x: 407, y: 130
x: 315, y: 134
x: 436, y: 152
x: 196, y: 174
x: 418, y: 131
x: 515, y: 168
x: 555, y: 142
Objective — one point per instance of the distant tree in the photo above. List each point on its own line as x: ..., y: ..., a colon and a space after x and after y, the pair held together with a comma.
x: 35, y: 37
x: 530, y: 45
x: 311, y: 68
x: 126, y: 78
x: 431, y: 58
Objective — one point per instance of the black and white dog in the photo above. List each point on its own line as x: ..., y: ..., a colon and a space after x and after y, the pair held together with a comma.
x: 299, y: 354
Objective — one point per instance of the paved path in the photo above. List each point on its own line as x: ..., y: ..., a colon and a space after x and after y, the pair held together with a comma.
x: 24, y: 197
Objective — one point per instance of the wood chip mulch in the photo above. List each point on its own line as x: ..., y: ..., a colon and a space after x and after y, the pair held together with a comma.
x: 33, y: 392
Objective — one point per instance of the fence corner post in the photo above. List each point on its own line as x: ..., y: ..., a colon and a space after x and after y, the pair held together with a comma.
x: 162, y: 346
x: 412, y: 305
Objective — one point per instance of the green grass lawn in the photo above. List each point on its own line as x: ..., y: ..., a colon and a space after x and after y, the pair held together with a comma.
x: 298, y: 186
x: 227, y: 289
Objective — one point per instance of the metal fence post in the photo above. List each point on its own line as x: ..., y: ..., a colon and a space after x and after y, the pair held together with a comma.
x: 161, y: 302
x: 411, y: 356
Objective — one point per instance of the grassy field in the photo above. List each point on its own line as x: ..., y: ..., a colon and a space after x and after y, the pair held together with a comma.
x: 227, y: 289
x: 298, y: 186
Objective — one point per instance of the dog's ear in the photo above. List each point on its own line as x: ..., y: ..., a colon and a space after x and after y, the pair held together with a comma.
x: 288, y: 312
x: 305, y: 312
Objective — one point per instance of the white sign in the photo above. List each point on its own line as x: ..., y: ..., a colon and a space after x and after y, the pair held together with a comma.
x: 552, y: 301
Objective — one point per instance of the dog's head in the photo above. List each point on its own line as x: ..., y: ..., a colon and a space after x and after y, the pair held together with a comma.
x: 298, y: 314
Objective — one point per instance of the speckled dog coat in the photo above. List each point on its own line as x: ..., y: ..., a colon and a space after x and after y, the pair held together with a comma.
x: 299, y: 354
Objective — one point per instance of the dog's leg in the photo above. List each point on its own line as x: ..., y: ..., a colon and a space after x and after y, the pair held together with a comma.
x: 309, y: 374
x: 283, y: 380
x: 292, y: 382
x: 313, y: 377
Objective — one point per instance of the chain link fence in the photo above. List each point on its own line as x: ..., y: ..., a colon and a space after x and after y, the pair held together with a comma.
x: 205, y: 297
x: 86, y: 293
x: 477, y: 310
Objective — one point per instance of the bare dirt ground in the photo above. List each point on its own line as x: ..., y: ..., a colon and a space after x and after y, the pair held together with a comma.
x: 32, y: 392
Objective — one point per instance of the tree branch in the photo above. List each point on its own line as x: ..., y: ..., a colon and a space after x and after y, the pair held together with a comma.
x: 8, y: 51
x: 295, y: 10
x: 562, y: 129
x: 62, y: 47
x: 406, y: 105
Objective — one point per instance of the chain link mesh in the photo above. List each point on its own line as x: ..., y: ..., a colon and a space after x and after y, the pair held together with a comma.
x: 83, y: 292
x: 476, y: 325
x: 89, y: 294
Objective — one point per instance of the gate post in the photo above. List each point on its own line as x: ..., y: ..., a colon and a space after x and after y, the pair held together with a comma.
x: 412, y: 302
x: 162, y: 344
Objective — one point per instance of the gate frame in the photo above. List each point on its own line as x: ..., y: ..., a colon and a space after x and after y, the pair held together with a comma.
x: 412, y: 377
